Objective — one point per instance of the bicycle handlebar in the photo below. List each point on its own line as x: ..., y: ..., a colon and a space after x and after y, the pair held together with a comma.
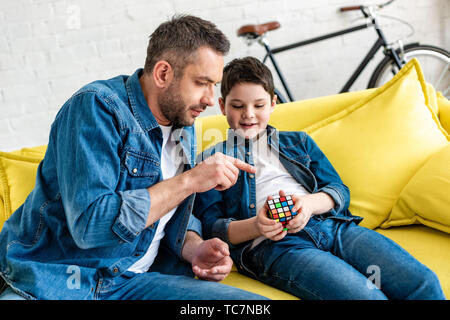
x: 378, y: 6
x: 350, y: 8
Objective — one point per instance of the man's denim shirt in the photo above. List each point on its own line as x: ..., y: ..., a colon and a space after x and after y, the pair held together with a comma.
x: 301, y: 157
x: 84, y: 222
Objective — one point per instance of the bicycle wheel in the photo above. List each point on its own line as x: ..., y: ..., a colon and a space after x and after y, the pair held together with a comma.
x: 280, y: 97
x: 435, y: 63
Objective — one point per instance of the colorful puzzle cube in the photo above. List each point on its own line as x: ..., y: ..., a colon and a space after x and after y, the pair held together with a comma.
x: 280, y: 209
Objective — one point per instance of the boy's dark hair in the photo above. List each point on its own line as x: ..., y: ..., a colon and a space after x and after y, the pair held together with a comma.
x: 177, y: 40
x: 248, y: 69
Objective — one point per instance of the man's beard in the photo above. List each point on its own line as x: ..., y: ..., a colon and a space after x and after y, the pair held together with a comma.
x: 174, y: 108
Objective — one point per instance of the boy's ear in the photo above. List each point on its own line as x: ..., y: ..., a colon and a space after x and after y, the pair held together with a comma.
x: 274, y: 102
x: 222, y: 106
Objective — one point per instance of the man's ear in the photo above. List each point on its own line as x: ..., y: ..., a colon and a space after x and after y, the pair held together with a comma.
x: 162, y: 74
x: 222, y: 106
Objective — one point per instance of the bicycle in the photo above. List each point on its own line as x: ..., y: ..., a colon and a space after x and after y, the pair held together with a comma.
x: 395, y: 54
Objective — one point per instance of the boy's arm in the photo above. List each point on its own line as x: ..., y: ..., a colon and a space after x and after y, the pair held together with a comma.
x: 320, y: 202
x: 243, y: 230
x: 252, y: 228
x: 328, y: 180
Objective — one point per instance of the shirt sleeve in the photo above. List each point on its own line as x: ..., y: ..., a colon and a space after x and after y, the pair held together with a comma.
x: 86, y: 142
x: 328, y: 180
x: 208, y: 208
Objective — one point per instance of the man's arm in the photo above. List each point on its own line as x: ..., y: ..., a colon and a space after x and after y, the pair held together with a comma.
x: 218, y: 171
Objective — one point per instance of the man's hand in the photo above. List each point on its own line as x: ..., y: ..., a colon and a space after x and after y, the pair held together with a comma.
x: 219, y: 171
x: 212, y: 260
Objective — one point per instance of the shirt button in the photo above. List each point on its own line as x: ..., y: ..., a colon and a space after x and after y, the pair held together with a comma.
x: 134, y: 170
x: 252, y: 205
x: 251, y: 176
x: 115, y: 270
x: 249, y: 153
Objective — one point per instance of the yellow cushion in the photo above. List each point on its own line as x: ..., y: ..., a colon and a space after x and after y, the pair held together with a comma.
x: 426, y: 197
x: 238, y: 280
x: 432, y: 96
x: 381, y: 141
x: 286, y: 117
x: 430, y: 246
x: 444, y: 111
x: 17, y: 178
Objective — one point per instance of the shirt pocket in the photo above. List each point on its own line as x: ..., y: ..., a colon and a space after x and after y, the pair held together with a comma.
x: 143, y: 169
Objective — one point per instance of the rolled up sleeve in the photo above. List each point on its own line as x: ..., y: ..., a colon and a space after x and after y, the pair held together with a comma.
x: 133, y: 214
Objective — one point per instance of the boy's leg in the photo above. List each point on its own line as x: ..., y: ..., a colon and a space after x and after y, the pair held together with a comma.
x: 296, y: 266
x: 398, y: 274
x: 157, y: 286
x: 9, y: 294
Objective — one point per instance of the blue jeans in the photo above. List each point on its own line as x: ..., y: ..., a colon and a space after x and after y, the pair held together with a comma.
x: 341, y: 260
x: 9, y: 294
x: 158, y: 286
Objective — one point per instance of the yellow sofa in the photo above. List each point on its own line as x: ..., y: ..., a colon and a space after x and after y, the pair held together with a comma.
x: 390, y: 145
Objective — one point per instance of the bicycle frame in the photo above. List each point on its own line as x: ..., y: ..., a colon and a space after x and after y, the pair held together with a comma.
x: 380, y: 42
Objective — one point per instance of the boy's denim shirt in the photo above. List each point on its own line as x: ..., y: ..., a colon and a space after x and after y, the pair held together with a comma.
x: 301, y: 157
x: 84, y: 222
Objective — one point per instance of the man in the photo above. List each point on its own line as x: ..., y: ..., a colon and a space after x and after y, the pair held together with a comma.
x: 110, y: 215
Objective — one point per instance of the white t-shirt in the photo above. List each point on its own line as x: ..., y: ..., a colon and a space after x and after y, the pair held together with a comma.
x: 171, y: 165
x: 271, y: 176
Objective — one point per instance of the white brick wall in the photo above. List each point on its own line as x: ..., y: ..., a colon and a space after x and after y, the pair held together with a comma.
x: 50, y: 48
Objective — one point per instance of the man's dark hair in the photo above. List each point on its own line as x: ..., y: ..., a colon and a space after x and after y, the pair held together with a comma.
x: 177, y: 40
x: 246, y: 70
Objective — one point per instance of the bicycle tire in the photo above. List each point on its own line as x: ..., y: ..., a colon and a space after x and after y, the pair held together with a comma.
x: 441, y: 82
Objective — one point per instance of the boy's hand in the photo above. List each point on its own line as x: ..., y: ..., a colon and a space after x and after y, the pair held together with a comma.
x: 267, y: 227
x: 304, y: 205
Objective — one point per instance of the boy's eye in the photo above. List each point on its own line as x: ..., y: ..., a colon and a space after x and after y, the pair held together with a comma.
x: 236, y: 106
x: 259, y: 106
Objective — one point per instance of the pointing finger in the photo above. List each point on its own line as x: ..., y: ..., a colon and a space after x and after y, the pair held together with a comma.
x: 242, y: 165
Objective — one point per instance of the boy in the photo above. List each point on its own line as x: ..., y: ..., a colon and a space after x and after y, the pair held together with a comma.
x: 323, y: 254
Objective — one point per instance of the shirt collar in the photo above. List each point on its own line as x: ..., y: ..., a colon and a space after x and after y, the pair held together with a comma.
x: 139, y: 105
x: 238, y: 141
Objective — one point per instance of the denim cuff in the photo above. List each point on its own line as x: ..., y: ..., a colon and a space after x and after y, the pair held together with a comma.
x: 195, y: 225
x: 133, y: 214
x: 220, y: 229
x: 337, y: 198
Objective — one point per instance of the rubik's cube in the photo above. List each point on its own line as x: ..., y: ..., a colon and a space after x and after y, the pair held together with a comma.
x: 280, y: 209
